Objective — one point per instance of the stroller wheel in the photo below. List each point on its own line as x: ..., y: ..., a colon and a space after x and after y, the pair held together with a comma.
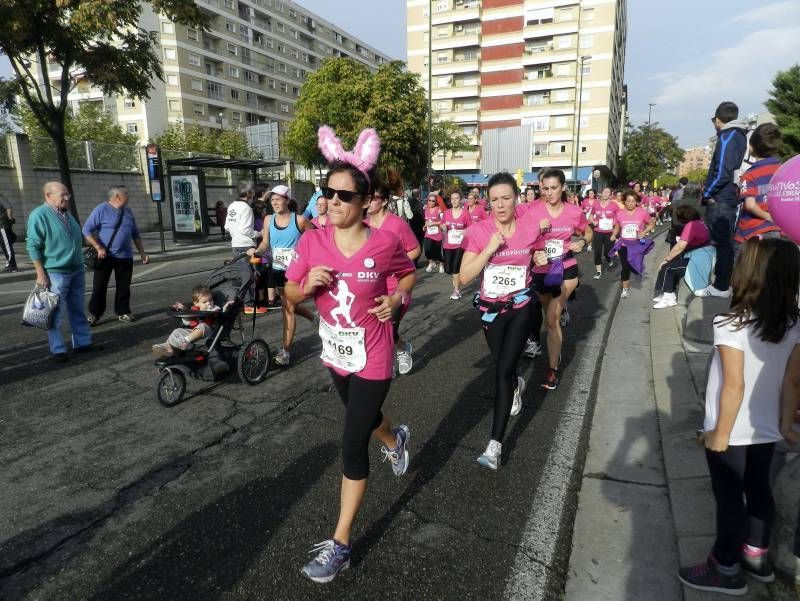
x: 171, y: 387
x: 253, y: 362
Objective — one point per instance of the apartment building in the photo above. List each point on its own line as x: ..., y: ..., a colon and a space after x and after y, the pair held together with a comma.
x: 549, y: 69
x: 247, y: 69
x: 696, y: 157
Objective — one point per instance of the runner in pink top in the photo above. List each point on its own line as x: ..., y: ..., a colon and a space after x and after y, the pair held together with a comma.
x: 603, y: 212
x: 476, y: 211
x: 432, y: 243
x: 454, y: 223
x: 527, y: 203
x: 345, y: 268
x: 555, y: 282
x: 631, y: 223
x: 321, y: 220
x: 500, y: 250
x: 380, y: 217
x: 588, y: 202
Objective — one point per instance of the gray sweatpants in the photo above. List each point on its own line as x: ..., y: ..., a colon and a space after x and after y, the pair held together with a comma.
x: 179, y: 334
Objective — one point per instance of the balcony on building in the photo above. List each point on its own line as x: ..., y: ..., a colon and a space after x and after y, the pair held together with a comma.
x: 544, y: 50
x: 550, y: 21
x: 454, y: 11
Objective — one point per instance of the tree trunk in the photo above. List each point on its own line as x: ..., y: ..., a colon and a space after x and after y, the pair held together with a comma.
x: 60, y: 142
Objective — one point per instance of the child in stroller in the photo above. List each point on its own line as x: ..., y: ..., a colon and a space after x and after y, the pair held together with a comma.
x: 199, y: 327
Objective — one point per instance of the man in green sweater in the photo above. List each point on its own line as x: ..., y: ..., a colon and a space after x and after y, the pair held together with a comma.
x: 54, y: 245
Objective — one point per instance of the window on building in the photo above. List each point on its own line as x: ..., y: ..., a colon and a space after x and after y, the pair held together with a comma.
x: 442, y: 58
x: 586, y: 95
x: 172, y: 80
x: 170, y: 54
x: 292, y: 13
x: 194, y: 60
x: 296, y: 72
x: 442, y: 32
x: 129, y: 103
x: 230, y: 27
x: 282, y: 48
x: 294, y: 53
x: 282, y: 67
x: 562, y: 148
x: 565, y: 14
x: 280, y: 27
x: 560, y: 122
x: 442, y: 6
x: 295, y: 91
x: 270, y: 43
x: 444, y: 81
x: 272, y: 84
x: 197, y: 84
x: 584, y: 122
x: 167, y: 27
x: 469, y: 130
x: 235, y: 94
x: 199, y: 109
x: 236, y: 116
x: 293, y: 33
x: 587, y: 41
x: 133, y: 128
x: 233, y: 71
x: 539, y: 16
x: 174, y: 105
x: 564, y: 41
x: 562, y: 95
x: 233, y: 49
x: 284, y: 87
x: 192, y: 34
x: 587, y: 14
x: 540, y: 150
x: 563, y: 70
x: 584, y: 149
x: 538, y: 98
x: 541, y: 123
x: 443, y: 106
x: 250, y: 76
x: 586, y: 69
x: 284, y: 107
x: 229, y: 4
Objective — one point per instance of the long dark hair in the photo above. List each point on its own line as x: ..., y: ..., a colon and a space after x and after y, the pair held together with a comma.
x: 766, y: 285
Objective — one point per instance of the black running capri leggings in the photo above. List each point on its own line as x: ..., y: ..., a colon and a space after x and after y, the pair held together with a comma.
x: 452, y: 260
x: 601, y: 244
x: 362, y: 400
x: 506, y: 338
x: 625, y: 273
x: 433, y: 249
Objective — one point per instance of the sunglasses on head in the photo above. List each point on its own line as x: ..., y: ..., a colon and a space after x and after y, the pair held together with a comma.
x: 344, y: 195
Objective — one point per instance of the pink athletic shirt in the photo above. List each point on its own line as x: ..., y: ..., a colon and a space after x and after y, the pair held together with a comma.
x: 363, y: 277
x: 392, y: 223
x: 516, y: 252
x: 587, y: 204
x: 462, y: 222
x: 319, y: 225
x: 599, y: 213
x: 478, y: 213
x: 555, y: 241
x: 631, y: 225
x: 436, y: 215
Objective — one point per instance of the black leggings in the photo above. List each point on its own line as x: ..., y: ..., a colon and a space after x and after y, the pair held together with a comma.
x: 745, y: 507
x: 670, y: 274
x: 537, y: 319
x: 506, y: 339
x: 625, y: 273
x: 601, y: 244
x: 433, y: 249
x: 362, y: 401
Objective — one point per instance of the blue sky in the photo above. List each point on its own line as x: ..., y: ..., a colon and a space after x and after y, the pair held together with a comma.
x: 685, y: 55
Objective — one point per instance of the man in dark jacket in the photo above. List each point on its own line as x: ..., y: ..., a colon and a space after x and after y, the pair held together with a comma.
x: 721, y: 197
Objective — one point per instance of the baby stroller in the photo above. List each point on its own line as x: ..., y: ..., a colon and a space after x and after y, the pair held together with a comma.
x: 225, y: 349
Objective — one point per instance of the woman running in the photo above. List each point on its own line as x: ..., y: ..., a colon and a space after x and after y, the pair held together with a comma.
x: 455, y: 221
x: 280, y: 234
x: 476, y: 211
x: 432, y: 243
x: 555, y: 282
x: 603, y: 211
x: 630, y: 224
x: 345, y: 268
x: 380, y: 218
x: 501, y: 248
x: 321, y: 220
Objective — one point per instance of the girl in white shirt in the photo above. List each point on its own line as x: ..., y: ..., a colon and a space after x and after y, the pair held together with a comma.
x: 753, y: 343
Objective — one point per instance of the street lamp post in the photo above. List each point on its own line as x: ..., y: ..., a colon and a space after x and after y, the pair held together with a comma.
x: 430, y: 88
x: 650, y: 106
x: 582, y: 60
x: 650, y: 113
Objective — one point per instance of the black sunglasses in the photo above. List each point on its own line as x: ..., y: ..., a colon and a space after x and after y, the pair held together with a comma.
x: 344, y: 195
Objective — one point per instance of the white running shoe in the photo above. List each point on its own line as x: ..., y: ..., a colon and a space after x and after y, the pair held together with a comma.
x: 429, y: 268
x: 282, y: 357
x: 667, y: 300
x: 626, y: 292
x: 491, y: 456
x: 532, y: 349
x: 564, y: 319
x: 441, y: 267
x: 658, y: 298
x: 598, y: 275
x: 710, y: 290
x: 404, y: 359
x: 456, y: 295
x: 516, y: 404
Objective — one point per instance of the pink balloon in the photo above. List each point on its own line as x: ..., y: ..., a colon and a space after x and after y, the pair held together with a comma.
x: 783, y: 198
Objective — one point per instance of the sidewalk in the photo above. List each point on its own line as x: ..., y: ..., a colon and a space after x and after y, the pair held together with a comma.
x: 152, y: 247
x: 645, y: 505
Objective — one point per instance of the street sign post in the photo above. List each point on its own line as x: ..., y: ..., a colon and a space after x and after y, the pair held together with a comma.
x: 155, y: 177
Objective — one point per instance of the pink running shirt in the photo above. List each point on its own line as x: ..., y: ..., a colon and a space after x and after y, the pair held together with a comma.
x: 478, y: 213
x: 631, y: 225
x: 508, y: 270
x: 555, y: 241
x: 357, y: 281
x: 433, y: 232
x: 393, y: 224
x: 602, y: 216
x: 455, y: 225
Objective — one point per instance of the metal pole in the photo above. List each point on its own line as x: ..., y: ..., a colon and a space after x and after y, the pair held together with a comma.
x: 578, y: 134
x: 430, y: 87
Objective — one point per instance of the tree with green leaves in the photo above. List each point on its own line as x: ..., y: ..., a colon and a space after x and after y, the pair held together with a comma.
x: 448, y: 138
x: 697, y: 176
x: 784, y: 104
x: 344, y: 94
x: 100, y: 41
x: 228, y: 142
x: 649, y: 152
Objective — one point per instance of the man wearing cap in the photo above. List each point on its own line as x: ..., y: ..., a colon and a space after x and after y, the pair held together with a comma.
x: 239, y: 222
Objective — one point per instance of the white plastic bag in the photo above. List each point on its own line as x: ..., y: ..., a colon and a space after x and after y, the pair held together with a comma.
x: 40, y: 308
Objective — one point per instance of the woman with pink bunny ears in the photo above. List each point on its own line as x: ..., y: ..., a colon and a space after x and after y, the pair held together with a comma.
x: 345, y: 268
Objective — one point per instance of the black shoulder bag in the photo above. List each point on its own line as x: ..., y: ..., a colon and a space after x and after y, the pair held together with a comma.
x: 90, y: 258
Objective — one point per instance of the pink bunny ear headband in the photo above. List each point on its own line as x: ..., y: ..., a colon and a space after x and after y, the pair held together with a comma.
x: 363, y: 157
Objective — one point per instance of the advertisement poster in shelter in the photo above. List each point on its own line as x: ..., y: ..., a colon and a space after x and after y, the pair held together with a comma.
x: 188, y: 204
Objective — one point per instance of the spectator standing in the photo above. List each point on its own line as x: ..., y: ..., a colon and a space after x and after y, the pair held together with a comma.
x: 110, y: 228
x: 53, y: 242
x: 677, y: 193
x: 239, y: 222
x: 311, y: 211
x: 721, y: 196
x: 220, y: 213
x: 7, y: 235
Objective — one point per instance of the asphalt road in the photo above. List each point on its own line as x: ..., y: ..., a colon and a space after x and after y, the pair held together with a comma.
x: 108, y: 495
